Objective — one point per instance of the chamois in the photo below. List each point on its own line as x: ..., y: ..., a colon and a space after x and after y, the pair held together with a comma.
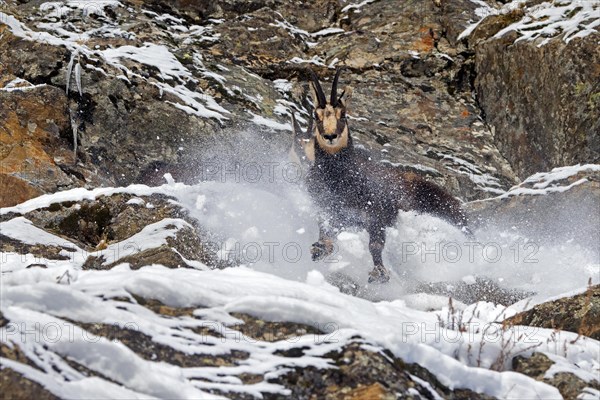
x: 352, y: 190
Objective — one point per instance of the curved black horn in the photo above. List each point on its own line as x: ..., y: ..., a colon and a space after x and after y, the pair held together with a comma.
x: 318, y: 89
x: 334, y: 99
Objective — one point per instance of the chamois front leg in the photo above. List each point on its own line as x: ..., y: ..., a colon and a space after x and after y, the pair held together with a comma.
x: 379, y: 274
x: 325, y: 246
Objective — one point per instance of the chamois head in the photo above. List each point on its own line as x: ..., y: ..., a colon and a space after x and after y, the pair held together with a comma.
x: 331, y: 126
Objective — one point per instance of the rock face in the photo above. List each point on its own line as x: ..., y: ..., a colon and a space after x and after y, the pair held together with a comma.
x: 579, y: 314
x: 414, y: 80
x: 131, y: 119
x: 357, y: 370
x: 541, y: 207
x: 569, y: 385
x: 103, y: 232
x: 540, y: 96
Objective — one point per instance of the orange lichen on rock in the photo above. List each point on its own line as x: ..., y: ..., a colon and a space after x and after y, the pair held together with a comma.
x: 30, y: 124
x: 425, y: 40
x: 371, y: 392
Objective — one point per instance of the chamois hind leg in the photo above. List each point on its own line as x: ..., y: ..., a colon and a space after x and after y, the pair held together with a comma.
x: 432, y: 199
x: 379, y: 273
x: 325, y: 245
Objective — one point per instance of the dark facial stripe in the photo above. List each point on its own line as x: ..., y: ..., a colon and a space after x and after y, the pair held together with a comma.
x: 339, y: 127
x: 341, y: 124
x: 320, y: 128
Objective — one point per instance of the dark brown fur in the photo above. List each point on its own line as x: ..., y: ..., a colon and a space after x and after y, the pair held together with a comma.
x: 352, y: 190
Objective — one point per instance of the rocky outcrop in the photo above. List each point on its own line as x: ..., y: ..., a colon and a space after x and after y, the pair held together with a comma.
x: 579, y: 314
x: 106, y: 231
x: 357, y: 370
x: 570, y: 385
x: 361, y: 373
x: 413, y: 105
x: 542, y: 207
x: 540, y: 96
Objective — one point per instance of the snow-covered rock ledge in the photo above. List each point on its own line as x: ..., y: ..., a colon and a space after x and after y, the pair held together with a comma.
x: 43, y: 319
x: 129, y: 327
x: 556, y: 206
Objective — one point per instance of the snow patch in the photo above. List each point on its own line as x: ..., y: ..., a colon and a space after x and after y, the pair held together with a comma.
x: 269, y: 123
x: 357, y: 6
x: 567, y: 18
x: 549, y: 182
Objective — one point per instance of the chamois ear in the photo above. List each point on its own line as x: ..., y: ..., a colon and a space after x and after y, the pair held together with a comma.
x: 346, y: 96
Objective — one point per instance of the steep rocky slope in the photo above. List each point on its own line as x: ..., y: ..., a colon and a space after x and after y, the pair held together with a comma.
x: 163, y: 84
x: 155, y: 287
x: 160, y: 83
x: 537, y: 83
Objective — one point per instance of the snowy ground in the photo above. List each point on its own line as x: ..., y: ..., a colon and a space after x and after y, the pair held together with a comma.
x: 268, y: 225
